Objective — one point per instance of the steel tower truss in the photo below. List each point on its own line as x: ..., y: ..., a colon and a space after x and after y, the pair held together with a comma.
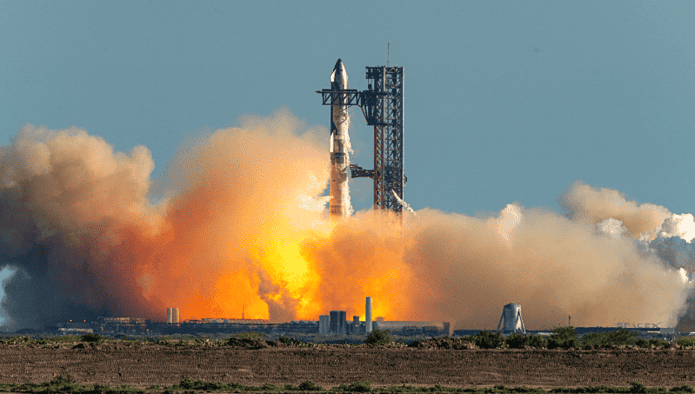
x: 382, y: 107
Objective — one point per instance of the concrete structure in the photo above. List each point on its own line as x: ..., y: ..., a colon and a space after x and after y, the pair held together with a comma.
x: 338, y: 323
x: 340, y: 145
x: 168, y: 315
x: 324, y: 324
x: 175, y: 315
x: 368, y: 316
x: 511, y: 315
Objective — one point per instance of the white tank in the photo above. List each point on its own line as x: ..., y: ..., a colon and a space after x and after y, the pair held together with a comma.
x: 169, y: 315
x: 175, y: 315
x: 511, y: 316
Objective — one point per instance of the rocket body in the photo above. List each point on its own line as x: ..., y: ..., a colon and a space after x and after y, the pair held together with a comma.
x: 340, y: 146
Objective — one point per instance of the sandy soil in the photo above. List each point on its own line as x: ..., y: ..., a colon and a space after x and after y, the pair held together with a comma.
x: 143, y: 365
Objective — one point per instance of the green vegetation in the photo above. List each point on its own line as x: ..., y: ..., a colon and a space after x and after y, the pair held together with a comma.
x: 357, y: 387
x: 563, y: 338
x: 309, y: 386
x: 559, y: 338
x: 537, y: 341
x: 635, y: 387
x: 92, y: 338
x: 488, y: 340
x: 604, y: 340
x: 517, y: 341
x: 686, y: 342
x: 379, y: 337
x: 67, y: 384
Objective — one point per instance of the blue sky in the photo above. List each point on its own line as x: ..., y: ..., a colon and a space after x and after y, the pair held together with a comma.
x: 504, y: 101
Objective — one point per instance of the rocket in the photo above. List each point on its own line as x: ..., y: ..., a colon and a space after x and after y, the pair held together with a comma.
x: 340, y: 146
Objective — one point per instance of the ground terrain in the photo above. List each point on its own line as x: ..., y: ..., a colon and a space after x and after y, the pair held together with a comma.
x: 143, y: 365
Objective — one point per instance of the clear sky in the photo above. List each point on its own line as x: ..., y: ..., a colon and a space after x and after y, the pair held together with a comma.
x: 504, y: 101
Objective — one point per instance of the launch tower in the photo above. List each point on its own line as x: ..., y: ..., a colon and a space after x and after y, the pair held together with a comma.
x: 382, y: 107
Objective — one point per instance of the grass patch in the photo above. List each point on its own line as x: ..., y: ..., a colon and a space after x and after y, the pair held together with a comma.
x: 63, y: 384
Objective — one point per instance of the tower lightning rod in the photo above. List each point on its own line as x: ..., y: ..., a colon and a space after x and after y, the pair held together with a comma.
x: 388, y: 53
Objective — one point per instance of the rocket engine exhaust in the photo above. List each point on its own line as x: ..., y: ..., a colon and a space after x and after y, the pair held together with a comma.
x: 340, y: 147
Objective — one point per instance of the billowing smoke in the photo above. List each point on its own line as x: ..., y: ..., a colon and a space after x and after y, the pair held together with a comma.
x: 459, y: 268
x: 597, y: 204
x: 240, y: 222
x: 77, y: 224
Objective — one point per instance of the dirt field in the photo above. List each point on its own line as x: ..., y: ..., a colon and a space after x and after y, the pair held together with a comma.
x: 143, y: 365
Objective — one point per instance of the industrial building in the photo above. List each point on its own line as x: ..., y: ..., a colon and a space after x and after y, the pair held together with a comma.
x: 333, y: 324
x: 336, y: 323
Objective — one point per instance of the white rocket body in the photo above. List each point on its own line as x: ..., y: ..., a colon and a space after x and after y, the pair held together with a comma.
x: 340, y: 146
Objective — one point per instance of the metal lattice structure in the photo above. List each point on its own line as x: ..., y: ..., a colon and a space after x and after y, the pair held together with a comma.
x: 388, y: 136
x: 382, y: 107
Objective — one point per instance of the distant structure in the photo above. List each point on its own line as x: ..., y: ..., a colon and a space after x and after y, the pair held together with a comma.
x: 338, y: 323
x: 368, y: 316
x: 172, y: 315
x: 511, y: 315
x: 382, y: 107
x: 324, y: 324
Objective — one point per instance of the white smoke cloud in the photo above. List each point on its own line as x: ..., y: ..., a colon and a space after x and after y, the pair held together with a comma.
x: 612, y: 227
x: 682, y: 226
x: 508, y: 220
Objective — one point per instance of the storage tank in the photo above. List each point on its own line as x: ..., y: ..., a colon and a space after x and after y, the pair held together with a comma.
x: 175, y: 315
x: 511, y: 316
x: 168, y: 315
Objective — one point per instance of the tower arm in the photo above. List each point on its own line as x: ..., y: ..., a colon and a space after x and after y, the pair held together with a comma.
x: 359, y: 172
x: 367, y: 100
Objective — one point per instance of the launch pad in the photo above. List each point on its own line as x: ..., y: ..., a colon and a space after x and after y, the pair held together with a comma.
x: 382, y: 107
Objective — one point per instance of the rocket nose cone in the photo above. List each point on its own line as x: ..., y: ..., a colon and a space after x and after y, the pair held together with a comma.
x: 339, y: 65
x: 339, y: 76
